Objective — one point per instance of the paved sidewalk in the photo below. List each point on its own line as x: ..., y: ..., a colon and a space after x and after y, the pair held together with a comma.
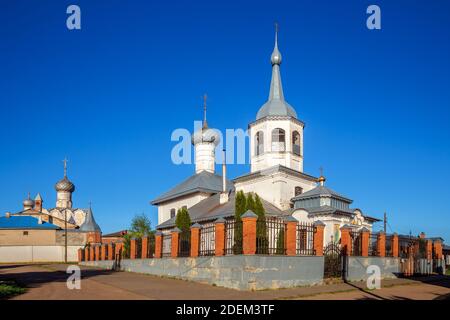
x: 49, y: 282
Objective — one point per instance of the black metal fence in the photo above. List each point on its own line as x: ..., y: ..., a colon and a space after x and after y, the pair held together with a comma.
x: 207, y: 240
x: 233, y: 237
x: 184, y: 244
x: 388, y: 246
x: 373, y: 245
x: 403, y: 245
x: 138, y: 253
x: 305, y: 239
x: 167, y: 245
x: 270, y: 236
x: 356, y: 243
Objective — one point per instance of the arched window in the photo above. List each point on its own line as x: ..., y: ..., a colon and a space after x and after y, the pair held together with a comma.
x: 172, y: 213
x: 259, y: 143
x: 298, y: 191
x: 296, y: 143
x: 278, y: 140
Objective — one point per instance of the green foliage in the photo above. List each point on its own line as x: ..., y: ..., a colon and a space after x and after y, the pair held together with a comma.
x: 9, y: 289
x: 240, y: 208
x: 140, y: 226
x: 250, y: 203
x: 183, y: 220
x: 261, y: 227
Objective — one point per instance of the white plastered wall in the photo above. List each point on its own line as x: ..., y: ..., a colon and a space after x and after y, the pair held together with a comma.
x: 188, y: 201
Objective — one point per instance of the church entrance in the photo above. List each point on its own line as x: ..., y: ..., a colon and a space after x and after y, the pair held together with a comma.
x: 333, y: 260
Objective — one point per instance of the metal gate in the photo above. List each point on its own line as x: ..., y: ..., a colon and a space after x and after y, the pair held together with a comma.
x: 333, y: 260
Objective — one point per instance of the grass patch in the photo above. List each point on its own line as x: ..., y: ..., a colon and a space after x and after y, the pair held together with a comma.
x: 447, y: 272
x: 9, y: 289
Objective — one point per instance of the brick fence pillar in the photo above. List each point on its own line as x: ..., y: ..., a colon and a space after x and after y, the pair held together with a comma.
x: 80, y: 255
x: 319, y: 227
x: 104, y: 250
x: 111, y: 251
x: 381, y: 244
x: 429, y: 250
x: 346, y: 241
x: 249, y: 232
x: 175, y: 242
x: 365, y: 242
x: 91, y: 253
x: 86, y: 254
x: 158, y: 244
x: 437, y: 249
x: 144, y: 247
x: 220, y: 237
x: 133, y: 248
x: 291, y: 236
x: 394, y: 245
x: 195, y: 240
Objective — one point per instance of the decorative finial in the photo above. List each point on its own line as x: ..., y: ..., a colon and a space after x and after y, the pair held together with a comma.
x: 29, y: 196
x: 90, y: 205
x: 276, y: 55
x: 65, y: 166
x: 205, y: 124
x: 321, y: 178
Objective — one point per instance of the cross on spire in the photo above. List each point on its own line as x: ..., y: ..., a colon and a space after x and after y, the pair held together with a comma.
x: 276, y: 34
x: 205, y: 124
x: 65, y: 166
x: 321, y: 171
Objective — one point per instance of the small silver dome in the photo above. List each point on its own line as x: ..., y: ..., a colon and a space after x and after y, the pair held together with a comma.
x: 28, y: 203
x: 276, y: 57
x: 206, y: 135
x: 65, y: 185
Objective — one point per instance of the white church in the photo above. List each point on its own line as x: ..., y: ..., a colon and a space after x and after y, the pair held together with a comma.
x: 276, y: 174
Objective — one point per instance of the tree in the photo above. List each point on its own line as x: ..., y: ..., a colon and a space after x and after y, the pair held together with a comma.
x: 140, y: 226
x: 261, y: 227
x: 280, y: 242
x: 183, y: 220
x: 239, y: 210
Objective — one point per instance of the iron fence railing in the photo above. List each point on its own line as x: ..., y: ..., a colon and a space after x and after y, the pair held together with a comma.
x: 207, y: 240
x: 305, y: 239
x: 270, y: 236
x: 233, y: 237
x: 356, y: 243
x: 184, y: 244
x: 167, y: 245
x: 373, y: 244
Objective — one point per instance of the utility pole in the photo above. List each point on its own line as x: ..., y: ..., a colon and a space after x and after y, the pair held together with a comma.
x: 65, y: 236
x: 385, y: 222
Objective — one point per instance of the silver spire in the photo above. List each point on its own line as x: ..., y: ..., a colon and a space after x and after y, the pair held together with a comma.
x: 276, y: 105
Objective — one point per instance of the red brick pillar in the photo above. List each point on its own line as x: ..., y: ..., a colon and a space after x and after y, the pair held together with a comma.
x: 437, y: 249
x: 133, y: 247
x: 429, y: 250
x: 175, y: 242
x: 91, y: 253
x: 144, y: 247
x: 346, y: 241
x: 158, y: 244
x: 365, y: 242
x: 111, y: 251
x: 80, y: 255
x: 97, y: 252
x: 195, y: 239
x: 220, y: 237
x: 104, y: 250
x: 86, y: 254
x: 381, y: 244
x: 249, y: 232
x: 394, y: 245
x: 291, y: 235
x: 318, y: 237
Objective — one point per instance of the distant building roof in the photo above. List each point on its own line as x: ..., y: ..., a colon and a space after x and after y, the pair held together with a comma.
x: 120, y: 233
x: 25, y: 222
x: 89, y: 224
x: 201, y: 182
x: 321, y: 191
x: 210, y: 209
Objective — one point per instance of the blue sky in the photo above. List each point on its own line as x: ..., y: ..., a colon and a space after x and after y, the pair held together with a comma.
x: 376, y: 103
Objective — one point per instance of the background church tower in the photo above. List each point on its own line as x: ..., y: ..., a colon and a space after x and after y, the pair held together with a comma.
x: 205, y: 141
x: 276, y: 137
x: 64, y: 189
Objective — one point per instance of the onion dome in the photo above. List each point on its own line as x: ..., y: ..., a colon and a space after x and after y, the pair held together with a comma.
x: 28, y: 202
x: 205, y: 134
x: 65, y: 185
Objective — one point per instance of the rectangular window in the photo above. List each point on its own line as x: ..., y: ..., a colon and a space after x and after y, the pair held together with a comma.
x: 25, y: 233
